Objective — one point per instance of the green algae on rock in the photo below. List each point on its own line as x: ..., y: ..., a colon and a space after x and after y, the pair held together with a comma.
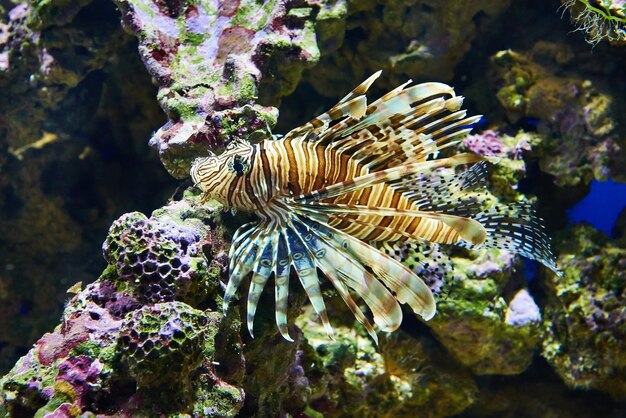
x: 484, y: 328
x: 580, y: 141
x: 210, y: 60
x: 352, y: 377
x: 109, y: 350
x: 585, y: 319
x: 407, y: 39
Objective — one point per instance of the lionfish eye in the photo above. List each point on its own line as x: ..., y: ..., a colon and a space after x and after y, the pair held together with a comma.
x: 239, y: 165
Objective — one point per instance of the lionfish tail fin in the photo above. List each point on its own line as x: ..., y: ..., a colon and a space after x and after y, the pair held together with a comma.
x: 511, y: 227
x: 517, y: 229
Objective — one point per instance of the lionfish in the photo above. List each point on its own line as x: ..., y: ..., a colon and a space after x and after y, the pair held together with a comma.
x: 328, y: 191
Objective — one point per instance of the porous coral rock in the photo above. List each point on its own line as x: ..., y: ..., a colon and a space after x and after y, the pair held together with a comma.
x: 157, y: 261
x: 113, y: 355
x: 585, y: 320
x: 163, y: 343
x: 209, y: 58
x: 574, y: 114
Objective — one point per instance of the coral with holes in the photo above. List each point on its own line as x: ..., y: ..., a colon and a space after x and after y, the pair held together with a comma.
x: 162, y: 342
x: 118, y: 354
x: 585, y: 320
x: 156, y: 261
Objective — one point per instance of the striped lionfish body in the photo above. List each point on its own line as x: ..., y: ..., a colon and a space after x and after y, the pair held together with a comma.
x: 353, y: 176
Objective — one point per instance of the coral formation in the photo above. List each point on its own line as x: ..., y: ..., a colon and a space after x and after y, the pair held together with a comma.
x: 576, y: 116
x: 210, y: 61
x: 509, y: 151
x: 352, y: 377
x: 422, y: 39
x: 157, y: 261
x: 128, y: 348
x: 481, y: 322
x: 147, y: 338
x: 70, y: 159
x: 585, y: 321
x: 599, y: 19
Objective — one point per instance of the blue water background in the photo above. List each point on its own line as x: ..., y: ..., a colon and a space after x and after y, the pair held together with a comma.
x: 601, y: 206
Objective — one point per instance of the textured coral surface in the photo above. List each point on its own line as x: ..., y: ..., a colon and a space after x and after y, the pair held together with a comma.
x: 144, y: 334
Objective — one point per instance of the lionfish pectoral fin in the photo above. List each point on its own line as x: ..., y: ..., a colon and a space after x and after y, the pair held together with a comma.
x: 306, y: 270
x: 281, y: 286
x: 244, y: 254
x: 343, y: 271
x: 326, y: 260
x: 407, y: 286
x: 261, y: 272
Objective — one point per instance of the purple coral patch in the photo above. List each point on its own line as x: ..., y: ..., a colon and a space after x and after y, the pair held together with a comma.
x: 154, y: 257
x: 82, y: 372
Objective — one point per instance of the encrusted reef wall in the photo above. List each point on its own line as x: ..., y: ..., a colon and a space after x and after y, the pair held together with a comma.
x: 147, y: 337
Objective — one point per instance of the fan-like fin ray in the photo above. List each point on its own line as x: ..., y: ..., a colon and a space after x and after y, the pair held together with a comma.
x: 245, y: 255
x: 354, y: 105
x: 329, y: 260
x: 281, y: 285
x: 407, y: 286
x: 469, y: 229
x: 260, y: 274
x: 307, y: 273
x: 515, y: 228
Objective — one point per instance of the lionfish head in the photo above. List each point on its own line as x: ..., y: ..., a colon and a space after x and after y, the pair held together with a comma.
x: 214, y: 173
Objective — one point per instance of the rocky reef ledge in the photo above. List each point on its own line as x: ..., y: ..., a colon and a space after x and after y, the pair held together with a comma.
x: 147, y: 338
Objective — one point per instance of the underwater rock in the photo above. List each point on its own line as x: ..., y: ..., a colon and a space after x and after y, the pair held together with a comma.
x: 541, y: 397
x: 157, y: 261
x: 575, y: 115
x: 61, y: 63
x: 350, y: 376
x: 585, y: 320
x: 163, y: 343
x: 483, y: 325
x: 509, y: 150
x: 210, y: 62
x: 117, y: 352
x: 422, y: 39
